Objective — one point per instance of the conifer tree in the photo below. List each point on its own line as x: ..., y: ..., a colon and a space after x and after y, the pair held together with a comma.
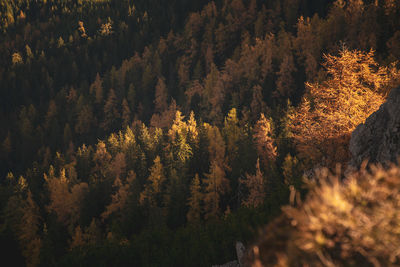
x: 231, y: 132
x: 118, y: 165
x: 85, y: 120
x: 216, y: 185
x: 28, y: 234
x: 216, y: 147
x: 28, y: 51
x: 78, y: 239
x: 97, y: 89
x: 330, y: 111
x: 17, y: 59
x: 292, y: 171
x: 93, y: 234
x: 161, y: 95
x: 154, y: 187
x: 265, y: 144
x: 67, y: 136
x: 65, y: 199
x: 285, y: 84
x: 111, y: 113
x: 192, y: 130
x: 195, y: 199
x: 120, y: 197
x: 256, y: 185
x: 6, y: 146
x: 257, y: 104
x: 126, y: 113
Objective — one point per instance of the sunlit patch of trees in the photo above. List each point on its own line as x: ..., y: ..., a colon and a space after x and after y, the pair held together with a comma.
x: 331, y: 110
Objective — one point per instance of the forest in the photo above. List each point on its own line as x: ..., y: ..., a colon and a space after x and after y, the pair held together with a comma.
x: 159, y: 133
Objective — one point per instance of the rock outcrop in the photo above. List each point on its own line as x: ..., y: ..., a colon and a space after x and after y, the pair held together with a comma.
x: 378, y: 139
x: 240, y: 251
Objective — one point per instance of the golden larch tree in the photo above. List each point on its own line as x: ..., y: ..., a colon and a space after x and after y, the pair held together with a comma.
x: 265, y: 143
x: 256, y: 186
x: 121, y: 195
x: 329, y: 112
x: 65, y: 198
x: 153, y: 188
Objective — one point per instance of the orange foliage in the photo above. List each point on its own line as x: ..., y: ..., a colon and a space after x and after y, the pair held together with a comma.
x: 266, y: 147
x: 156, y: 180
x: 120, y: 197
x: 330, y: 111
x: 65, y: 198
x: 350, y: 223
x: 256, y: 186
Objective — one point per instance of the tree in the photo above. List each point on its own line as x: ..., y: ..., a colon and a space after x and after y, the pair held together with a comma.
x: 216, y: 147
x: 161, y: 95
x: 67, y: 136
x: 85, y: 120
x: 126, y: 113
x: 257, y: 104
x: 60, y: 42
x: 106, y: 28
x: 194, y: 202
x: 193, y: 133
x: 65, y: 199
x: 93, y: 234
x: 213, y: 94
x: 231, y: 132
x: 29, y: 54
x: 292, y: 171
x: 102, y: 160
x: 285, y: 84
x: 78, y: 239
x: 6, y: 146
x: 216, y: 184
x: 265, y: 144
x: 97, y: 89
x: 16, y: 59
x: 256, y: 186
x: 120, y: 197
x: 28, y: 234
x: 154, y: 187
x: 178, y: 137
x: 111, y: 113
x: 308, y: 44
x: 118, y: 165
x: 82, y: 30
x: 330, y: 111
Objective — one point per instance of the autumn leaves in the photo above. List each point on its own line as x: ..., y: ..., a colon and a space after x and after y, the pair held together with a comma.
x: 331, y: 110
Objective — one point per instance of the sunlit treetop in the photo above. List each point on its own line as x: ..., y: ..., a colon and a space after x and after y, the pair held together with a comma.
x: 330, y: 111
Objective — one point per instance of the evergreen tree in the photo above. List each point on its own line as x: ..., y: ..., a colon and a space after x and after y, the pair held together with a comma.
x: 126, y: 114
x: 216, y: 185
x: 265, y: 144
x: 256, y: 185
x: 97, y: 89
x: 28, y: 234
x: 154, y: 187
x: 111, y: 113
x: 194, y: 203
x: 160, y: 100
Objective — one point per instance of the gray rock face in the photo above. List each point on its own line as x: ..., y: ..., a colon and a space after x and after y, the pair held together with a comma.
x: 240, y: 250
x: 378, y: 139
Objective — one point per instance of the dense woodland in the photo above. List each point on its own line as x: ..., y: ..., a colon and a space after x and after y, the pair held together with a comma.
x: 157, y: 133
